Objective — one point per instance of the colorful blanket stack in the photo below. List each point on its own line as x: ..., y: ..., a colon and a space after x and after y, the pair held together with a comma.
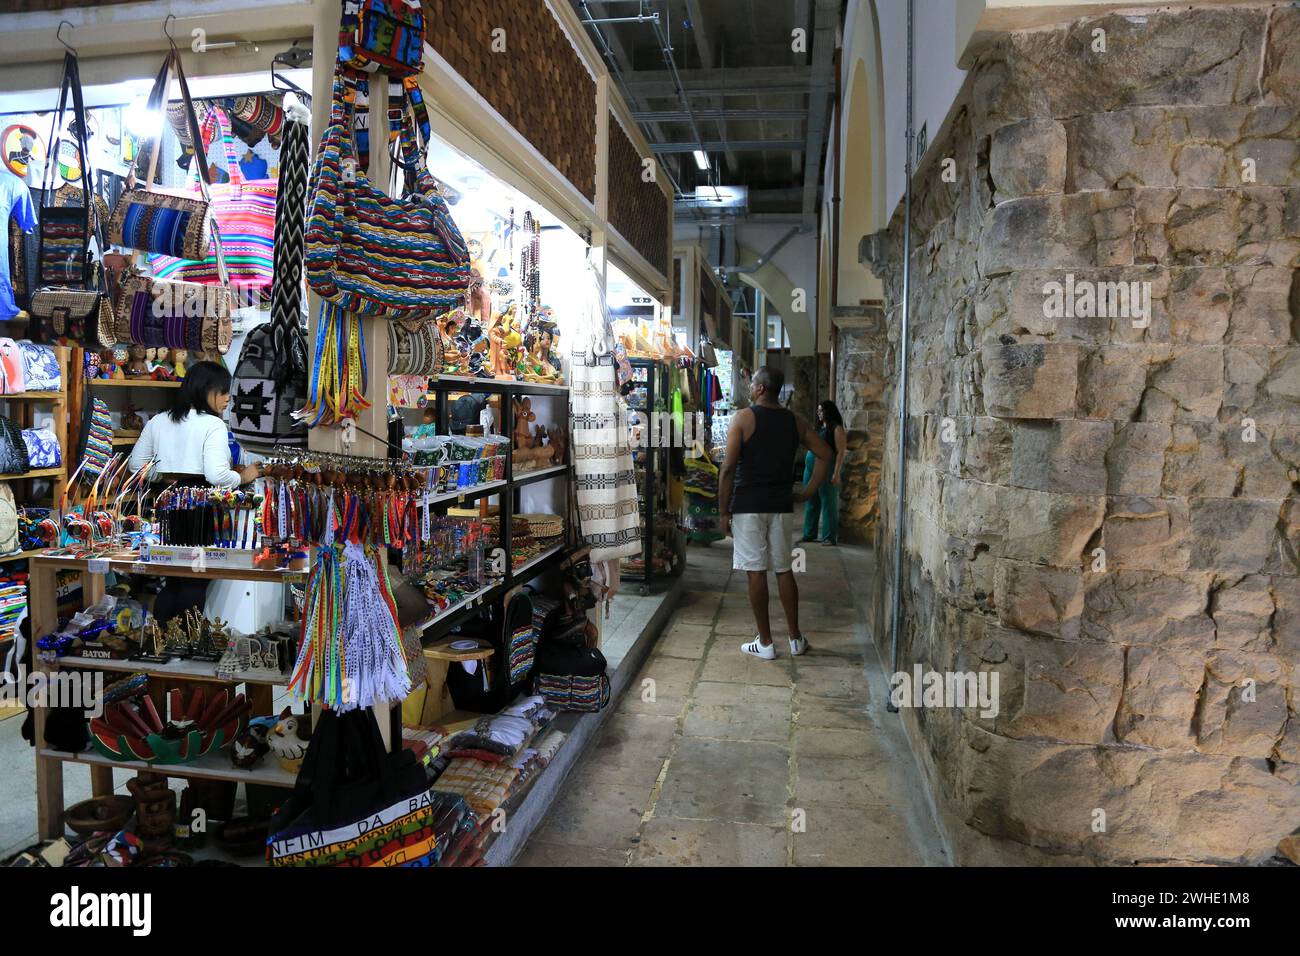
x: 586, y: 694
x: 13, y: 605
x: 99, y: 440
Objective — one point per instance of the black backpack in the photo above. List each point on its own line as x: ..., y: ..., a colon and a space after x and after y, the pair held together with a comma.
x: 513, y: 637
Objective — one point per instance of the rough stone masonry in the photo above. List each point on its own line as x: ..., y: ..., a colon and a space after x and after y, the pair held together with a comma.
x: 1104, y: 511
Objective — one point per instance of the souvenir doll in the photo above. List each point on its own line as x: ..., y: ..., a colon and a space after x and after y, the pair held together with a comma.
x: 139, y: 364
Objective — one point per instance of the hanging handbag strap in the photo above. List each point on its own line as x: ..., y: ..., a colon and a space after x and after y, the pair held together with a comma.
x: 157, y: 101
x: 217, y: 123
x: 70, y: 89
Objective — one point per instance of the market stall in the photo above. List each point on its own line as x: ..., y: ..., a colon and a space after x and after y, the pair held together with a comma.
x: 438, y: 433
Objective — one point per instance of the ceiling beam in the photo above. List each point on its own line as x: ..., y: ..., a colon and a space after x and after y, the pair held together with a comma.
x: 724, y: 115
x: 716, y: 82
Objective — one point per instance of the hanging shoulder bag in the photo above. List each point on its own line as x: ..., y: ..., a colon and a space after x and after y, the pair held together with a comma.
x: 270, y: 379
x: 372, y: 254
x: 13, y: 450
x: 382, y: 36
x: 171, y: 313
x: 71, y: 304
x: 244, y: 211
x: 173, y: 222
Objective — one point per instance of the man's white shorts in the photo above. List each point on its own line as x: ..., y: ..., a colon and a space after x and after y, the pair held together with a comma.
x: 763, y: 541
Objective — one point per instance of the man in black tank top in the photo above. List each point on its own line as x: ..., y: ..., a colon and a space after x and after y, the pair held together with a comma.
x: 756, y: 501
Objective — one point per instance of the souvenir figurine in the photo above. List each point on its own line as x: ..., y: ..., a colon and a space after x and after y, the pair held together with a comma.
x: 559, y: 444
x: 131, y: 420
x: 289, y: 738
x: 138, y: 365
x: 528, y: 454
x: 179, y: 358
x: 510, y: 344
x: 155, y: 810
x: 253, y: 744
x: 538, y: 366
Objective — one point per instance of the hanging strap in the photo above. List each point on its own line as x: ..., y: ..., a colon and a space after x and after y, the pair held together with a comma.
x: 217, y: 123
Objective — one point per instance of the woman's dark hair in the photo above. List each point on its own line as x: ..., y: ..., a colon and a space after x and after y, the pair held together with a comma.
x: 201, y: 379
x: 832, y: 414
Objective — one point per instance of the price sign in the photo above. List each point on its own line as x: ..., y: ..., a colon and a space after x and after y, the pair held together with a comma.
x: 97, y: 566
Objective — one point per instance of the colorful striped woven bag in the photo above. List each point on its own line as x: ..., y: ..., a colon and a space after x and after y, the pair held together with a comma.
x: 372, y: 254
x: 245, y: 213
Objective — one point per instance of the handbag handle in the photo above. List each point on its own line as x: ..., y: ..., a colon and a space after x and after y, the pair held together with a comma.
x: 156, y: 98
x: 70, y: 86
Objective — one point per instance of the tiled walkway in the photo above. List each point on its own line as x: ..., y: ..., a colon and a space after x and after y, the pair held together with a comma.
x: 714, y: 758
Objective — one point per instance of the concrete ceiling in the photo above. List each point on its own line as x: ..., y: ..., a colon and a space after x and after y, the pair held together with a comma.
x: 730, y: 83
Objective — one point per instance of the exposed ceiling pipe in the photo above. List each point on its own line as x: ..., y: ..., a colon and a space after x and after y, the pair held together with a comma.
x: 651, y: 17
x: 612, y: 61
x: 666, y: 47
x: 819, y: 93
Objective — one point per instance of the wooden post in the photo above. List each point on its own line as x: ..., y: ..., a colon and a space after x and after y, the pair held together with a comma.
x: 49, y: 773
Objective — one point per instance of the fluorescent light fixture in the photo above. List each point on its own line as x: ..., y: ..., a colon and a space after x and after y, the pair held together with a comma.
x: 701, y: 159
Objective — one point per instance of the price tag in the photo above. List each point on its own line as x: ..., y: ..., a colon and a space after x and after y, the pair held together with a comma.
x: 97, y: 565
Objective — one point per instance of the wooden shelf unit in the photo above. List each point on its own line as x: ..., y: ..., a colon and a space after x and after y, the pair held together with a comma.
x: 44, y: 614
x: 24, y: 415
x: 128, y: 383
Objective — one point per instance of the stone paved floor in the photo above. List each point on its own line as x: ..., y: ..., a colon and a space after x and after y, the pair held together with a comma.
x: 725, y: 760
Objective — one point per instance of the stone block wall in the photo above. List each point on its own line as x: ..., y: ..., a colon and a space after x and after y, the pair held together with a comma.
x: 862, y: 350
x: 1103, y: 508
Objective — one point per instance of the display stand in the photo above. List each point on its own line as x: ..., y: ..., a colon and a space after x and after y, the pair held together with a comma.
x: 654, y: 463
x: 438, y: 655
x: 508, y: 490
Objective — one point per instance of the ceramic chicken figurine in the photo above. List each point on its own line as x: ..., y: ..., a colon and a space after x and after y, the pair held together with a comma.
x: 289, y: 738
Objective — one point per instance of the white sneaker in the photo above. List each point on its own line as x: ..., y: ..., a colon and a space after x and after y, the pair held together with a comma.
x: 798, y: 646
x: 755, y: 648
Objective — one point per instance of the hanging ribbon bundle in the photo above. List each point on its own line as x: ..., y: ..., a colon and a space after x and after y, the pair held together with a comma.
x: 350, y: 646
x: 338, y: 378
x: 319, y: 498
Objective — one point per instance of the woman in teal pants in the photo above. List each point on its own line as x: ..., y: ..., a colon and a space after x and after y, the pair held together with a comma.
x: 826, y: 502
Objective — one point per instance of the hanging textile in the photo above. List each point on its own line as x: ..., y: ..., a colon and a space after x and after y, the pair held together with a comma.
x: 271, y: 375
x: 608, y: 511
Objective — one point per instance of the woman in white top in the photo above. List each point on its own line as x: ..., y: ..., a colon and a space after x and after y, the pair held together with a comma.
x: 191, y: 440
x: 191, y: 445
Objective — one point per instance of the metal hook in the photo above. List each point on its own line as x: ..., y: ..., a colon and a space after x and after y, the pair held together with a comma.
x: 58, y: 35
x: 167, y: 30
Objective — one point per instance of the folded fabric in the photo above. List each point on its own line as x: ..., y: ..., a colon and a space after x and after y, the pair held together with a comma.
x: 548, y: 746
x: 483, y: 785
x: 502, y: 734
x: 485, y: 755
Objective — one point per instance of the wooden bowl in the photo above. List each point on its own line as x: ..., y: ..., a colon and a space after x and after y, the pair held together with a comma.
x: 107, y: 814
